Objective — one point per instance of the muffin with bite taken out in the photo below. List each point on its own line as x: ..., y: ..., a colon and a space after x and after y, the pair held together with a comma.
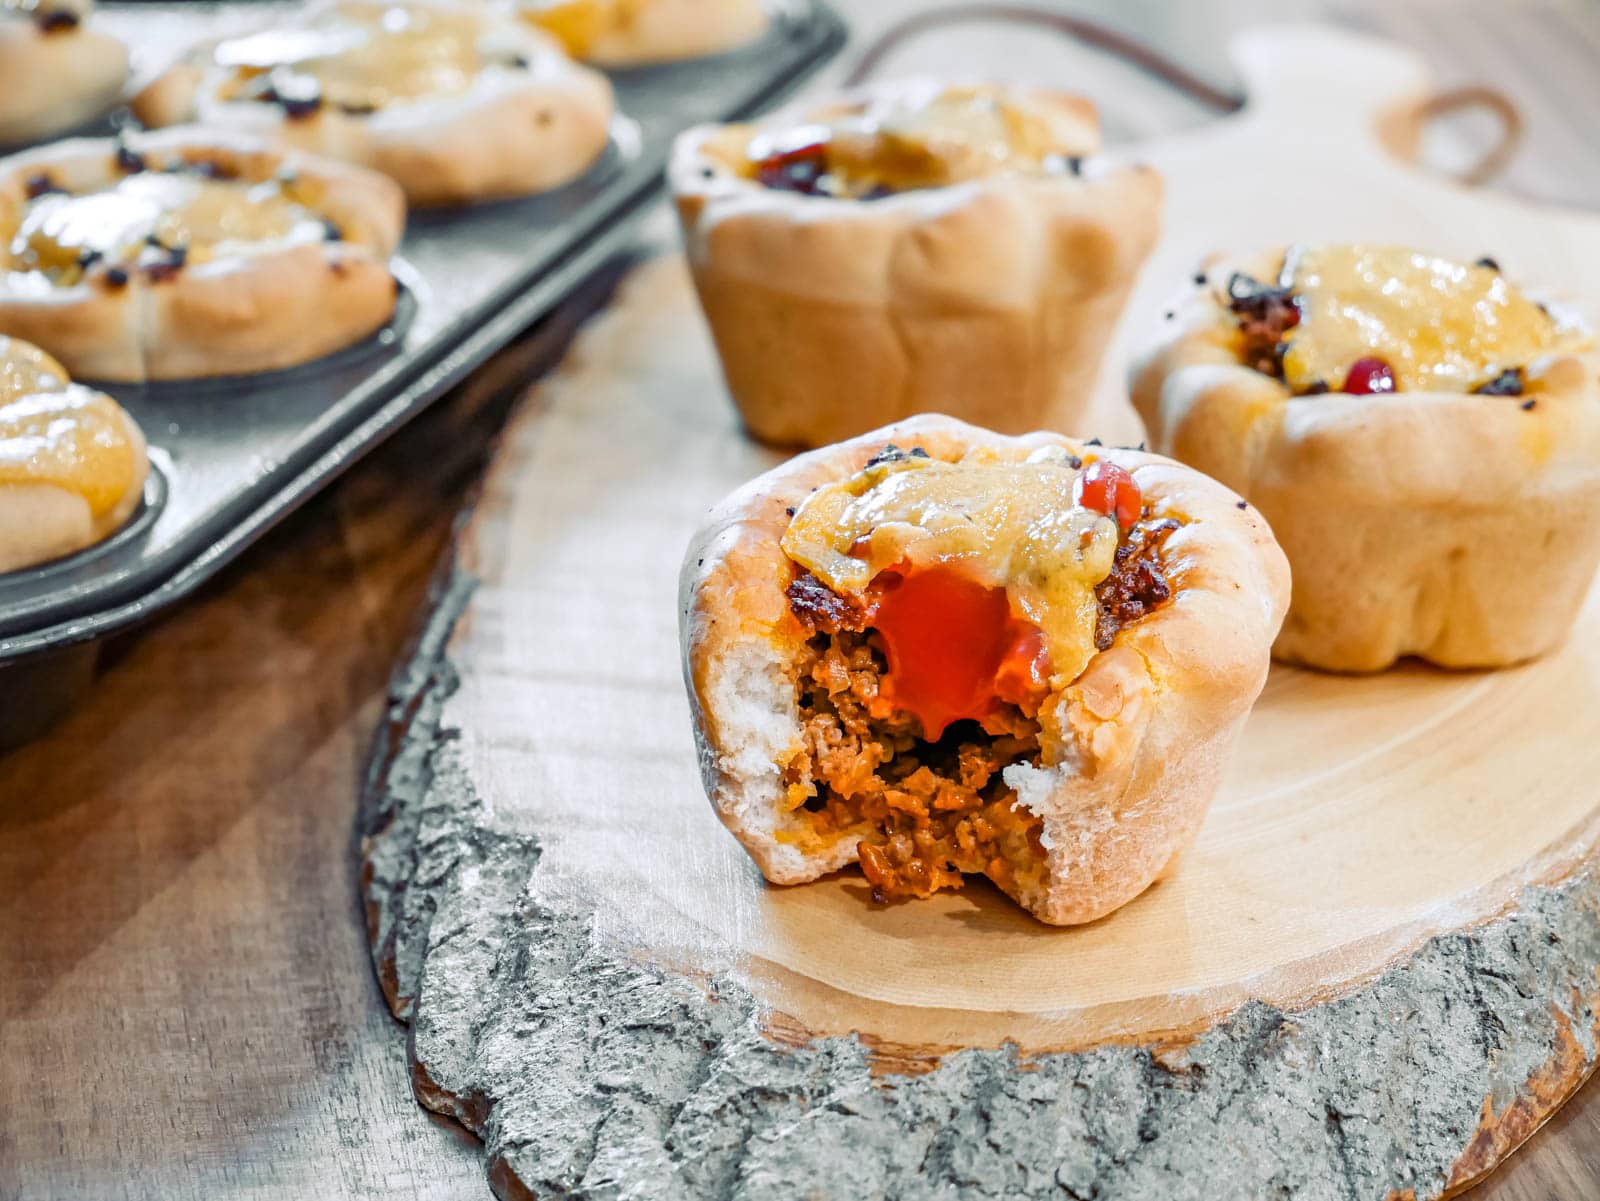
x: 937, y: 651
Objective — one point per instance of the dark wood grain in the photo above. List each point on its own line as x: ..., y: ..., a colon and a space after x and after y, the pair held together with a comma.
x: 1559, y: 1163
x: 186, y: 1009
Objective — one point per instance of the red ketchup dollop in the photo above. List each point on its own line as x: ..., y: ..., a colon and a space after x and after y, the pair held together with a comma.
x: 1368, y: 376
x: 955, y: 650
x: 1109, y: 489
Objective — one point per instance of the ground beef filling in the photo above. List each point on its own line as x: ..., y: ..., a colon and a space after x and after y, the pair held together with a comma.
x: 1265, y: 314
x: 1137, y: 584
x: 927, y: 812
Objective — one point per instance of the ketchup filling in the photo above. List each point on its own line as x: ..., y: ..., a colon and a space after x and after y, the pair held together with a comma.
x: 954, y: 650
x: 915, y: 696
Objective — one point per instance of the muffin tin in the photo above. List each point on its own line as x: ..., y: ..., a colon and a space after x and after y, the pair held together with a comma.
x: 231, y: 457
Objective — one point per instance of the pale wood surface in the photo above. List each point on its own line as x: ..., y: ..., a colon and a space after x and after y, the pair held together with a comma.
x: 185, y: 1007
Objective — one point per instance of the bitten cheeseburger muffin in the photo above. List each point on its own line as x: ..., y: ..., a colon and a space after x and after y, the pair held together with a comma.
x: 56, y: 72
x: 912, y: 247
x: 72, y: 463
x: 1423, y: 437
x: 454, y: 100
x: 627, y: 33
x: 192, y: 253
x: 939, y: 651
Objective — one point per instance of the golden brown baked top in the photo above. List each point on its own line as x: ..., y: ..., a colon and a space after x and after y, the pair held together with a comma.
x: 912, y: 137
x: 579, y: 24
x: 983, y: 576
x: 154, y: 217
x: 1365, y: 319
x: 361, y: 56
x: 53, y: 431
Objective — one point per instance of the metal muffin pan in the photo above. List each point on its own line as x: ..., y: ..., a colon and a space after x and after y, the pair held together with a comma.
x: 232, y: 457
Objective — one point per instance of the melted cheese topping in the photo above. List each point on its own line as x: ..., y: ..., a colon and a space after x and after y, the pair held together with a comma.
x: 1012, y: 525
x: 1441, y: 326
x: 579, y: 24
x: 53, y: 431
x: 360, y: 56
x: 210, y: 218
x: 922, y: 138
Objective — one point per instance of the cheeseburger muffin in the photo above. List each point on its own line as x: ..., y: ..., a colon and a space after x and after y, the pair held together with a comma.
x: 1422, y: 435
x: 912, y: 247
x: 937, y: 651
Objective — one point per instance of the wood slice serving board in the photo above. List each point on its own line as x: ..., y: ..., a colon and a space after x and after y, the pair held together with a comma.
x: 1373, y: 976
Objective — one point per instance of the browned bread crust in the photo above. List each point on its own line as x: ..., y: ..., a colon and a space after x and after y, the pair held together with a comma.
x: 1131, y: 751
x: 234, y: 315
x: 1460, y: 528
x: 513, y: 133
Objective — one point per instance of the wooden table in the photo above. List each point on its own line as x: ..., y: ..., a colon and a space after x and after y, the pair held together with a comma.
x: 186, y: 1007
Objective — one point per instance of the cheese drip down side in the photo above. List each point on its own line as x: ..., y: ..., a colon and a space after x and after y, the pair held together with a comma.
x: 1440, y: 326
x: 926, y: 138
x: 56, y: 432
x: 206, y: 217
x: 361, y: 56
x: 1010, y: 525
